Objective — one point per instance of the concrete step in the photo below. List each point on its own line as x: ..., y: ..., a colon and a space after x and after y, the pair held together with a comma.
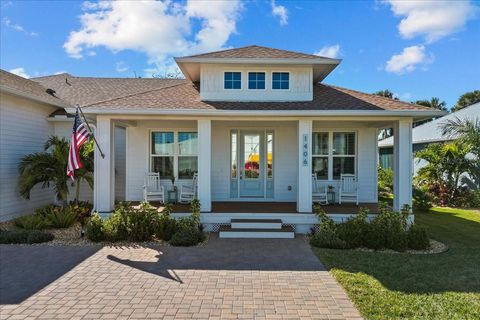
x: 256, y: 224
x: 286, y: 232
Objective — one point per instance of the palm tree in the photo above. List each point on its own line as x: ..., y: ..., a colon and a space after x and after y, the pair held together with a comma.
x: 434, y: 103
x: 467, y: 99
x: 386, y: 93
x: 468, y: 132
x: 49, y: 168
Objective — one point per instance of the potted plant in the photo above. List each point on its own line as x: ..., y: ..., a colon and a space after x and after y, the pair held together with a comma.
x: 174, y: 187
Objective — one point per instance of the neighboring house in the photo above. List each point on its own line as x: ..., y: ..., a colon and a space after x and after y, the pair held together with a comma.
x: 424, y: 135
x: 254, y: 122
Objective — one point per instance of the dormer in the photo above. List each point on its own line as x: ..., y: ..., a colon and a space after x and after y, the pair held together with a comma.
x: 256, y: 73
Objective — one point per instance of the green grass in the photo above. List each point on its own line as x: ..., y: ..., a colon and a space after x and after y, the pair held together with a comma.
x: 403, y: 286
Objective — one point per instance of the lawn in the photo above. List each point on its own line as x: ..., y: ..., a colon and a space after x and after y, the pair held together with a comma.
x: 403, y: 286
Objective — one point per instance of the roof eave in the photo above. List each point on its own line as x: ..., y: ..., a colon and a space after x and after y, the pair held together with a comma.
x: 320, y: 60
x: 415, y: 114
x: 23, y: 94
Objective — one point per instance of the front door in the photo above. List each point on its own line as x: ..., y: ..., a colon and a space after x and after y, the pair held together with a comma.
x: 252, y: 164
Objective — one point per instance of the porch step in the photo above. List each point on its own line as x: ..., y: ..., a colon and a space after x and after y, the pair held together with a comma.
x: 286, y: 232
x: 256, y: 224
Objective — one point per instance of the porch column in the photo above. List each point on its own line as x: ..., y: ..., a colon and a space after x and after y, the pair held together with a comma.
x: 104, y: 175
x: 304, y: 181
x: 204, y: 164
x: 402, y: 164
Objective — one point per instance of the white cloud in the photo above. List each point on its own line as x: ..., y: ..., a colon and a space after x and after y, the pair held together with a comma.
x: 431, y: 19
x: 329, y: 51
x: 281, y: 12
x: 160, y: 29
x: 15, y: 26
x: 20, y: 72
x: 120, y: 66
x: 408, y: 60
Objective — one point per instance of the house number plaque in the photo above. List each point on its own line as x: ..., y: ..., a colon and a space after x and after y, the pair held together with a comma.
x: 305, y: 150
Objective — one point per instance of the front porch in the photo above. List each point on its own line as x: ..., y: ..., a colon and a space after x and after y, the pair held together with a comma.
x: 233, y: 207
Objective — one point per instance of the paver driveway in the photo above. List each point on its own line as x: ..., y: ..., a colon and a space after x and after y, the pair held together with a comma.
x: 227, y: 279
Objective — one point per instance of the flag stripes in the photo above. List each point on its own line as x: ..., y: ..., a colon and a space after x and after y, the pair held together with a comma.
x: 80, y: 135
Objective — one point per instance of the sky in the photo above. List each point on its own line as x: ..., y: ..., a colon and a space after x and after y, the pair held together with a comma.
x: 416, y: 49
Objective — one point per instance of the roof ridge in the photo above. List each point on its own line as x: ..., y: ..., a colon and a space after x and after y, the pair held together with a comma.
x: 136, y: 93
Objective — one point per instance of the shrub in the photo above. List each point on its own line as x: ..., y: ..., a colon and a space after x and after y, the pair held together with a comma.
x: 422, y: 199
x: 83, y: 209
x: 195, y: 208
x: 187, y: 234
x: 327, y: 239
x: 61, y: 217
x: 166, y: 227
x: 95, y: 230
x: 32, y: 222
x: 354, y: 230
x: 387, y: 230
x: 24, y: 236
x: 141, y: 223
x: 385, y: 180
x: 327, y: 236
x: 418, y: 237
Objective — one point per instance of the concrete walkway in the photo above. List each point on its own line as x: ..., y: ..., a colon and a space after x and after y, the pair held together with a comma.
x: 226, y: 279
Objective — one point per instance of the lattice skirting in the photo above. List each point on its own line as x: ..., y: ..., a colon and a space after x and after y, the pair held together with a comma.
x: 214, y: 227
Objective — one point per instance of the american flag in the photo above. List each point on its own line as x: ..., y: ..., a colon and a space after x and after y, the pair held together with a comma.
x: 80, y: 134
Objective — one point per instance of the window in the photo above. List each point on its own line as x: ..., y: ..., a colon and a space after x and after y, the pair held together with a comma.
x: 256, y: 80
x: 343, y: 153
x: 280, y: 80
x: 269, y: 155
x: 174, y: 154
x: 320, y: 155
x: 333, y: 154
x: 232, y: 80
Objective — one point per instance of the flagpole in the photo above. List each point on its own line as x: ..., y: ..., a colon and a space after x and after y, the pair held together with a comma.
x: 91, y: 132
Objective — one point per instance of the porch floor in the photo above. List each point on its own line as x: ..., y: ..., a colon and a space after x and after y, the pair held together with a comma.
x: 272, y: 207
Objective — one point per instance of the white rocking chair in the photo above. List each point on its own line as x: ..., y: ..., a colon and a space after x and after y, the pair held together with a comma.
x: 188, y: 193
x: 319, y: 194
x: 348, y: 189
x: 152, y: 190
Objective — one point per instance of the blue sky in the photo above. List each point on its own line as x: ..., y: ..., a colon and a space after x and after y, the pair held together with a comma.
x: 417, y: 49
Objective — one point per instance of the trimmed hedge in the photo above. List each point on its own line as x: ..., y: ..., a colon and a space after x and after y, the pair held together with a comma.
x: 388, y: 230
x: 24, y: 236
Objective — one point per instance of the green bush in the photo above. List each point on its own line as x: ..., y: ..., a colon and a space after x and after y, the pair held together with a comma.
x: 141, y: 223
x: 187, y: 234
x: 385, y: 180
x: 327, y: 239
x: 418, y: 238
x: 388, y: 231
x: 422, y: 200
x: 32, y: 222
x: 354, y: 230
x: 166, y: 227
x: 95, y: 230
x: 61, y: 217
x: 24, y: 236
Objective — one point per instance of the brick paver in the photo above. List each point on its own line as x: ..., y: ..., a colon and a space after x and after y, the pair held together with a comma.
x: 227, y: 279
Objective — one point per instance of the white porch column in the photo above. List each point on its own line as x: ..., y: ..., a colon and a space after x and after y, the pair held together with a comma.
x: 402, y: 164
x: 104, y: 176
x: 304, y: 181
x: 204, y: 164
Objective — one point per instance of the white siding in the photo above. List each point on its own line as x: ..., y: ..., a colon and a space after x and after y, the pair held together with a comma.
x: 63, y: 129
x: 137, y: 156
x: 366, y: 157
x: 23, y: 130
x: 212, y: 87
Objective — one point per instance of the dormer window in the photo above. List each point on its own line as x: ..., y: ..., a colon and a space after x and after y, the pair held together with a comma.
x: 232, y: 80
x: 280, y: 80
x: 256, y: 80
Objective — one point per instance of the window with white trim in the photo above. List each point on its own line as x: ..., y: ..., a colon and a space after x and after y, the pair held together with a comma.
x: 174, y: 154
x: 333, y: 154
x: 280, y: 80
x: 256, y: 80
x: 232, y: 80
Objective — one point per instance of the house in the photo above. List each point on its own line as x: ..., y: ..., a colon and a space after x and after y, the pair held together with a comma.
x: 255, y: 123
x: 426, y: 134
x: 29, y: 114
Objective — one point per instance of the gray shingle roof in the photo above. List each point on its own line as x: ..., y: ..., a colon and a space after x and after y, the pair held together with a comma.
x: 28, y: 87
x: 254, y: 52
x: 186, y: 96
